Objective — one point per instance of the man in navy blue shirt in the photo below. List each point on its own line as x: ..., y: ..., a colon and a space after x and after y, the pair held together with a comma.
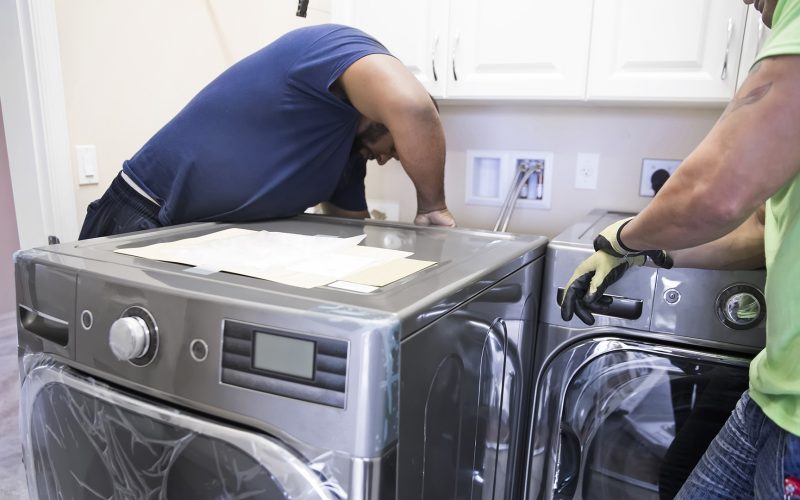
x: 287, y: 128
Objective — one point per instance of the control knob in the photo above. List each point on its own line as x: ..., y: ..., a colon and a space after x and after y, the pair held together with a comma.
x: 134, y: 336
x: 129, y: 338
x: 741, y: 306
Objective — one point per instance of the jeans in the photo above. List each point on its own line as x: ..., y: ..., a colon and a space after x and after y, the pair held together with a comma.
x: 751, y: 457
x: 120, y: 210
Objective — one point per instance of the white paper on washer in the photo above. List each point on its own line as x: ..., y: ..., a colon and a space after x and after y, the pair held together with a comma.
x: 292, y: 259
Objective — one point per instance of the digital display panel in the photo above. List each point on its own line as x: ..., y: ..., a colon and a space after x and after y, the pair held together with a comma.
x: 285, y: 355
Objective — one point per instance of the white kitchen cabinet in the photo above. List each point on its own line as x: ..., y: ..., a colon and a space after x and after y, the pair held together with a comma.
x: 755, y: 34
x: 597, y: 50
x: 415, y: 31
x: 652, y: 50
x: 481, y: 49
x: 518, y: 49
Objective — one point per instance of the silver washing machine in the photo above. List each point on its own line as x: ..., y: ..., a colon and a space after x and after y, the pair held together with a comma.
x: 235, y: 387
x: 625, y: 408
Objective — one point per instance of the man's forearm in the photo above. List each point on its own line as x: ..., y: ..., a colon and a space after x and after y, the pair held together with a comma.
x: 742, y: 248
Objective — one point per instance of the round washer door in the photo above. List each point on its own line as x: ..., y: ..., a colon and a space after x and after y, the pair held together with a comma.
x: 625, y: 419
x: 85, y: 440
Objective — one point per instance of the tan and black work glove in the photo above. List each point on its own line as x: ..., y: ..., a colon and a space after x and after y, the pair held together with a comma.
x: 603, y: 268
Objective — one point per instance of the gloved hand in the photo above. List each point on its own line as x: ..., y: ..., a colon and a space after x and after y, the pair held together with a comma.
x: 441, y: 217
x: 607, y: 265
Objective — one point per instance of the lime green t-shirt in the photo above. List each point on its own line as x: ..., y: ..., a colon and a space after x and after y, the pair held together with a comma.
x: 775, y: 372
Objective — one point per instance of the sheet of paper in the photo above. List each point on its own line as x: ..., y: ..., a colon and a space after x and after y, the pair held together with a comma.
x: 388, y: 272
x: 292, y: 259
x: 353, y: 287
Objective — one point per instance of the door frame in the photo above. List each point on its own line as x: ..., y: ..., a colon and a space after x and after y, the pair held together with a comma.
x: 35, y: 117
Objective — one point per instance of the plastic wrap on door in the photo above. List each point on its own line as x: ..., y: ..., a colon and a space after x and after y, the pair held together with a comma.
x: 85, y: 439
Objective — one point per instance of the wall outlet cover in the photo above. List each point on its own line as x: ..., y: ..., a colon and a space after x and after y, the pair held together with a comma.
x: 586, y: 170
x: 654, y: 174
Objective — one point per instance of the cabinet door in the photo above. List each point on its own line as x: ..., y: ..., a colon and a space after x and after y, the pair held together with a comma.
x: 518, y: 48
x: 414, y: 31
x: 681, y: 50
x: 754, y: 36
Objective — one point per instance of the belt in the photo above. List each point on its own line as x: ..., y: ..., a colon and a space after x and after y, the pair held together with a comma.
x: 136, y: 188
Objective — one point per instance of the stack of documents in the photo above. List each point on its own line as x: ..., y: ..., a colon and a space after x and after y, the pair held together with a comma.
x: 291, y: 259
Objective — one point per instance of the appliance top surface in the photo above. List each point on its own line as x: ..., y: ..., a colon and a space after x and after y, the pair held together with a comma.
x: 465, y: 258
x: 583, y: 232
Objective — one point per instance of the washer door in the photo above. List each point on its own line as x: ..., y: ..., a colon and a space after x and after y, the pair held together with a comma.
x: 620, y: 419
x: 85, y: 440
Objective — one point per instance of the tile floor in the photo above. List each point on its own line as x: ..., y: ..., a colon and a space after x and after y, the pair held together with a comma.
x: 12, y: 476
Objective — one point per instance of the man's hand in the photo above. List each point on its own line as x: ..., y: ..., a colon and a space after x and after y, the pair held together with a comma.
x: 608, y: 241
x: 607, y: 265
x: 441, y: 217
x: 590, y: 280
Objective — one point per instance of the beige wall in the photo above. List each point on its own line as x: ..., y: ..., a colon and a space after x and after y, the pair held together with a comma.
x: 130, y: 66
x: 622, y: 136
x: 9, y: 241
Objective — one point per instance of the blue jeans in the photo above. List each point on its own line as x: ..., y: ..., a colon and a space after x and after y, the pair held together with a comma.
x: 751, y: 457
x: 120, y: 210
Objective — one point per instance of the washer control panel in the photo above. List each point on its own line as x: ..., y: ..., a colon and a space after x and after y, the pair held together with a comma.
x: 291, y: 364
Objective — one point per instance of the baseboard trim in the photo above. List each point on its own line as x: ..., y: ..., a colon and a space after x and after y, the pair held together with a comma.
x: 8, y: 323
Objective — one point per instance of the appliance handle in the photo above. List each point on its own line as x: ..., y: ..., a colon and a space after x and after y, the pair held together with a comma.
x: 49, y: 328
x: 612, y: 305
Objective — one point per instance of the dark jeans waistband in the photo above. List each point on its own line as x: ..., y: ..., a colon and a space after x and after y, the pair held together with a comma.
x: 125, y: 193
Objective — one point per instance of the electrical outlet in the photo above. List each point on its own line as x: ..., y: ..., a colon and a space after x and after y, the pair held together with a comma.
x: 654, y: 174
x: 586, y: 171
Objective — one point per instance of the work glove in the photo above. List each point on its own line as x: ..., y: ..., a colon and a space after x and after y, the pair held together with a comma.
x: 441, y: 217
x: 603, y: 268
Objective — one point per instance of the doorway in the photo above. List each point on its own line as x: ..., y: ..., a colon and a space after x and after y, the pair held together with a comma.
x: 11, y: 475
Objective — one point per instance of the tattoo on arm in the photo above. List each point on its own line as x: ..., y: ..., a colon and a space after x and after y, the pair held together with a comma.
x: 752, y: 97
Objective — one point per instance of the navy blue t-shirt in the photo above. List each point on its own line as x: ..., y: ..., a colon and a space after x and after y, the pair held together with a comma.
x: 267, y: 138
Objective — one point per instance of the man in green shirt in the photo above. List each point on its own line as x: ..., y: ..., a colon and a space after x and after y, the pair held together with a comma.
x: 734, y: 203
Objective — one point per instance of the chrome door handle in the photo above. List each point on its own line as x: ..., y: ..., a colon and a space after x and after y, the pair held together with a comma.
x: 433, y: 57
x: 453, y: 56
x: 724, y: 73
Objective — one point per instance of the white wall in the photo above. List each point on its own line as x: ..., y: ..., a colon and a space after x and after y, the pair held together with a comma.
x: 129, y: 66
x: 622, y: 136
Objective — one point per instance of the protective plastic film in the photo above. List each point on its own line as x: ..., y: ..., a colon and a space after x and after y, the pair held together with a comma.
x: 84, y: 440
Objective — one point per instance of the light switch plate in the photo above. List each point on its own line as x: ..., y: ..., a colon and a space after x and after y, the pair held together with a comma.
x: 87, y: 164
x: 654, y: 174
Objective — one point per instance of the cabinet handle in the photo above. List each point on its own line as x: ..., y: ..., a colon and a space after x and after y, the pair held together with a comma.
x: 724, y: 74
x: 433, y: 56
x: 455, y: 47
